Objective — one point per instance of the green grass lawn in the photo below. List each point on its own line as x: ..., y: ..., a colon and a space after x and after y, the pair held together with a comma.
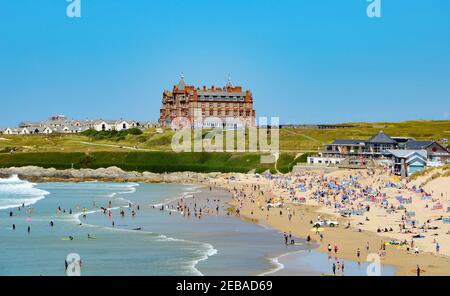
x: 291, y: 140
x: 144, y: 152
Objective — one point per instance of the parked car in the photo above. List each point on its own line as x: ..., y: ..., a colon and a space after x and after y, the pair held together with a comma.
x: 329, y: 223
x: 275, y: 205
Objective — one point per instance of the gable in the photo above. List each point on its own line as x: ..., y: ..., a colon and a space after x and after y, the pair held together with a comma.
x: 436, y: 148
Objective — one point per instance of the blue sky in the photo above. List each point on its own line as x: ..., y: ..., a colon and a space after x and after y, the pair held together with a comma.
x: 306, y: 61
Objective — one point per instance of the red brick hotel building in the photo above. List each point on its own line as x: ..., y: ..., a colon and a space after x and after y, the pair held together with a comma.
x: 229, y: 102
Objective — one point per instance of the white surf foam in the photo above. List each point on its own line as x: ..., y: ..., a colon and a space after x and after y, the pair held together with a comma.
x: 278, y: 265
x: 15, y: 193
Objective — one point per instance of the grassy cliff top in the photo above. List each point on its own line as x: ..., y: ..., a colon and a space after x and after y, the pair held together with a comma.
x: 292, y: 140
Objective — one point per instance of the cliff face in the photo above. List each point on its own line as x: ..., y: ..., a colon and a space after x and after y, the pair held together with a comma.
x: 111, y: 174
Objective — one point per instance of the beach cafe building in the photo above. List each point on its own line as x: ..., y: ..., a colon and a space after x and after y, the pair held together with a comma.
x: 372, y: 148
x: 376, y: 148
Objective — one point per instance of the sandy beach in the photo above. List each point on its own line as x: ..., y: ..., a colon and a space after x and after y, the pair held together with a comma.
x: 384, y: 230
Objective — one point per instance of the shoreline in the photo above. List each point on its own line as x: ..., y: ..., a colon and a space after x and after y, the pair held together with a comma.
x: 403, y: 262
x: 347, y: 239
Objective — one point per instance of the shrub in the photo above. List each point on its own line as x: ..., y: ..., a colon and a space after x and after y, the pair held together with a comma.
x: 134, y: 131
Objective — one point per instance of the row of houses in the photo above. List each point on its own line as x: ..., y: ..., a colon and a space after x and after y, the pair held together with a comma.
x: 404, y: 155
x: 59, y: 124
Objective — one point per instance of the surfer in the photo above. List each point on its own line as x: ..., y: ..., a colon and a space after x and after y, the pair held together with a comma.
x: 29, y: 229
x: 14, y: 226
x: 51, y: 224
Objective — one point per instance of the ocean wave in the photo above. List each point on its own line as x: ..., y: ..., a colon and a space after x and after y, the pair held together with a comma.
x: 15, y: 192
x: 208, y: 252
x: 278, y: 265
x: 202, y: 250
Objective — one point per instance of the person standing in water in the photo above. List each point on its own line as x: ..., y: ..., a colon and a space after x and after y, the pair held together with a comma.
x: 29, y: 229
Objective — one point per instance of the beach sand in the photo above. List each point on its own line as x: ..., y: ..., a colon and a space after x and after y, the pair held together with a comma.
x: 357, y: 236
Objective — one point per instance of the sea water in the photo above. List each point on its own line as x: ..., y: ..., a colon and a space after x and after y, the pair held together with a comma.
x: 153, y: 242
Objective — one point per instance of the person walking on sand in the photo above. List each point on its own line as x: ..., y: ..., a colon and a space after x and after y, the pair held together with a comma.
x: 335, y: 249
x: 329, y: 248
x: 358, y: 253
x: 418, y: 270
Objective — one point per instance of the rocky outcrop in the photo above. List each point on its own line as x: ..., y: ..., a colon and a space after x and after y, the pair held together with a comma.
x: 112, y: 174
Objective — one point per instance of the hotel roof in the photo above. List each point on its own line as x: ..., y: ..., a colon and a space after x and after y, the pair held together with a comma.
x: 348, y: 142
x: 382, y: 138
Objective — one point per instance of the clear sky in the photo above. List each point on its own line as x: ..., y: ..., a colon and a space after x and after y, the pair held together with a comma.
x: 306, y: 61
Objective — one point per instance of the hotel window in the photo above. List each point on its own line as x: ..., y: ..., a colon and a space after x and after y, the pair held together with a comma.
x: 211, y: 112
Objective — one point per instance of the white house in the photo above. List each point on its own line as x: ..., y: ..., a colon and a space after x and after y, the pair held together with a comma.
x: 47, y: 130
x: 104, y: 125
x: 11, y: 131
x: 109, y: 125
x: 123, y: 125
x: 71, y: 130
x: 24, y: 131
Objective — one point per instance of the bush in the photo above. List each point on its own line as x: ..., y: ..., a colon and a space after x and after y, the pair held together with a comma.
x: 134, y: 131
x: 86, y: 161
x: 111, y: 135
